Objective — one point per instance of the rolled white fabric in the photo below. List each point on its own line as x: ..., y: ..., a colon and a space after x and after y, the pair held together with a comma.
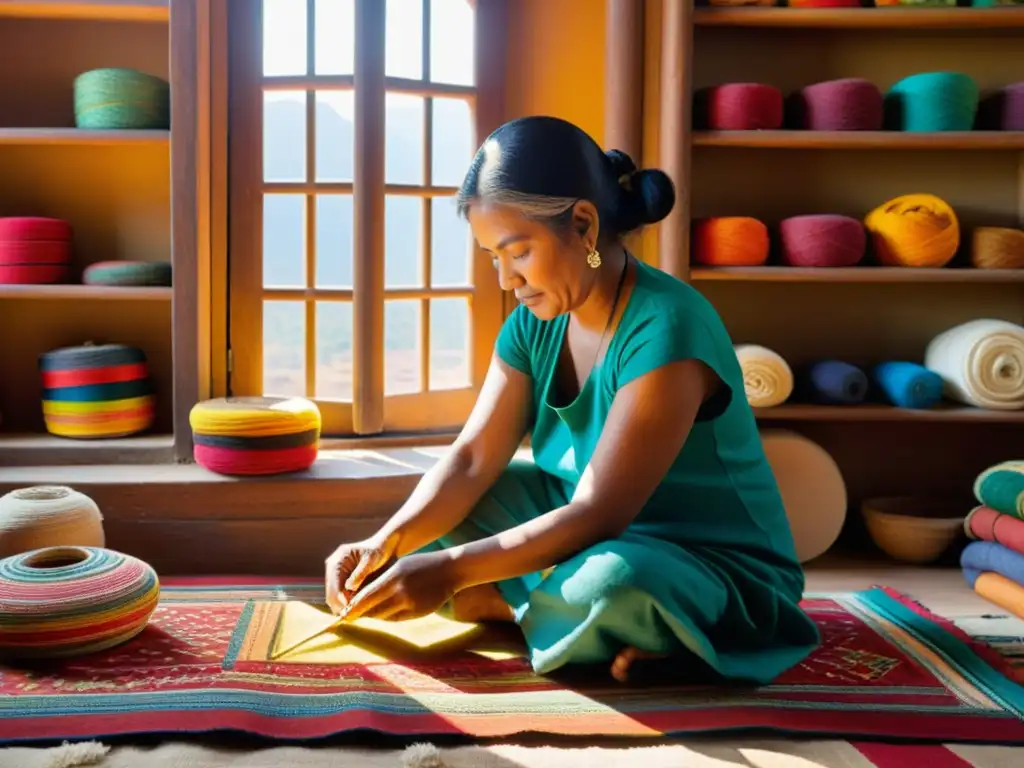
x: 981, y: 363
x: 48, y: 516
x: 767, y: 377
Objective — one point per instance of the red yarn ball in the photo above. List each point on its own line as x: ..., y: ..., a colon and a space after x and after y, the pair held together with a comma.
x: 849, y: 104
x: 745, y: 107
x: 822, y: 240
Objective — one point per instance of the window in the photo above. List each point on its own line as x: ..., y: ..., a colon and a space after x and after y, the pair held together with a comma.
x: 352, y: 280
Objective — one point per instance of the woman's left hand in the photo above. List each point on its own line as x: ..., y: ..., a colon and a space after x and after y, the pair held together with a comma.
x: 416, y: 585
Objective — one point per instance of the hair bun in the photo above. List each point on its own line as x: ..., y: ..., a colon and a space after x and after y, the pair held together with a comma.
x: 648, y: 196
x: 622, y: 164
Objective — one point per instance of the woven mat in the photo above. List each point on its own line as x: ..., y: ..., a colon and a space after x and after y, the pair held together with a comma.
x: 886, y: 669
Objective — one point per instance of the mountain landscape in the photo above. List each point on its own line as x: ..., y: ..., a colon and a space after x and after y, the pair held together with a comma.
x: 284, y: 160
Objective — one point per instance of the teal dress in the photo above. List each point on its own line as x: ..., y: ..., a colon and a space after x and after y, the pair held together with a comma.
x: 708, y: 567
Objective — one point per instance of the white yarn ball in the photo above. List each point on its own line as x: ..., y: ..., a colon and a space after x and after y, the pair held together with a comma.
x: 48, y: 516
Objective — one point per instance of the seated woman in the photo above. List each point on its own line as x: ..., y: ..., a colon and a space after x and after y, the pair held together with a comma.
x: 648, y: 523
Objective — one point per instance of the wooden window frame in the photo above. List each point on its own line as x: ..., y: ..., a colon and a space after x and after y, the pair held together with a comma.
x: 370, y: 412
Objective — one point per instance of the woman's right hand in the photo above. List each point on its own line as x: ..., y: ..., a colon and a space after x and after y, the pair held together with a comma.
x: 351, y: 565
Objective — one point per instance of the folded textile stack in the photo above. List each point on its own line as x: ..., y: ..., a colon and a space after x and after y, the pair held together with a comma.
x: 993, y: 564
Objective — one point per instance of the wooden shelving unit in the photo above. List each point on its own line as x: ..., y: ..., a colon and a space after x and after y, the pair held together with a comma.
x: 112, y: 186
x: 868, y: 313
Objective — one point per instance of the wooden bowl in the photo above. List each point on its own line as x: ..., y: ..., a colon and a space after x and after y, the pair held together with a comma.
x: 914, y: 529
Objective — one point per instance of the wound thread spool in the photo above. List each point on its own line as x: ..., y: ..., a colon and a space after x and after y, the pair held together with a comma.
x: 119, y: 98
x: 821, y: 240
x: 48, y: 516
x: 917, y: 230
x: 97, y: 391
x: 743, y: 107
x: 730, y: 241
x: 34, y: 250
x: 933, y: 101
x: 997, y: 248
x: 848, y: 104
x: 128, y: 273
x: 255, y: 435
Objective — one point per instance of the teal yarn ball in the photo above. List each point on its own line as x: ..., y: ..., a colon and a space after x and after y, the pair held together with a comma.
x: 122, y: 99
x: 932, y: 101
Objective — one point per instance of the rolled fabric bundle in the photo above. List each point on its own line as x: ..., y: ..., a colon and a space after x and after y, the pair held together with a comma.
x: 255, y: 435
x: 997, y: 589
x: 133, y: 273
x: 767, y: 377
x: 836, y: 382
x: 918, y: 230
x: 97, y: 391
x: 987, y: 524
x: 909, y: 385
x: 1001, y: 487
x: 990, y: 557
x: 822, y: 240
x: 933, y: 101
x: 744, y: 107
x: 997, y: 248
x: 34, y: 250
x: 981, y: 363
x: 847, y: 104
x: 118, y: 98
x: 730, y: 241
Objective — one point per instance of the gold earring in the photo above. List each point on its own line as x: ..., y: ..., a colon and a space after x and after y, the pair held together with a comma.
x: 593, y: 259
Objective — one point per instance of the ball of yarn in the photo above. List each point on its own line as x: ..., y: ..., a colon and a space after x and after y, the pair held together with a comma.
x: 48, y: 516
x: 997, y: 248
x: 849, y: 104
x: 116, y: 98
x: 730, y: 241
x: 767, y: 377
x: 909, y: 385
x: 933, y: 101
x: 135, y: 273
x: 744, y: 107
x: 914, y: 231
x: 34, y: 250
x: 835, y: 382
x: 96, y: 391
x: 822, y: 240
x: 255, y: 435
x: 61, y: 602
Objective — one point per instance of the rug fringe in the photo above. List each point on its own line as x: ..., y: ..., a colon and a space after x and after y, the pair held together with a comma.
x: 423, y: 756
x: 69, y: 755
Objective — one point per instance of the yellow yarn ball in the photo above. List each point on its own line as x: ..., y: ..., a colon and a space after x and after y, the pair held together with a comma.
x: 914, y: 231
x: 254, y: 416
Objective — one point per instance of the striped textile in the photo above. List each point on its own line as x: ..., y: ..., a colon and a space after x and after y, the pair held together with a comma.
x: 886, y: 669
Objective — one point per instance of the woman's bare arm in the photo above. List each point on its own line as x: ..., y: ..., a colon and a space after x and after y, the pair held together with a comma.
x: 448, y: 491
x: 646, y: 428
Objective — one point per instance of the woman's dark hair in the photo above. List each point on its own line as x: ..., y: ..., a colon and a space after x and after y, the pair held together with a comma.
x: 543, y: 165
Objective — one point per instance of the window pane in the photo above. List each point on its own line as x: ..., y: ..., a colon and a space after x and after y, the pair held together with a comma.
x: 335, y: 136
x: 449, y: 344
x: 284, y: 37
x: 335, y: 37
x: 403, y: 227
x: 334, y: 351
x: 450, y: 244
x: 403, y: 139
x: 334, y: 241
x: 402, y: 347
x: 284, y: 241
x: 403, y: 39
x: 452, y: 142
x: 284, y: 136
x: 284, y: 348
x: 452, y: 42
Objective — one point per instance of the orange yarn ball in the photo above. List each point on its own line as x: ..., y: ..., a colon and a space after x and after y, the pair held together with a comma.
x: 914, y: 231
x: 730, y: 241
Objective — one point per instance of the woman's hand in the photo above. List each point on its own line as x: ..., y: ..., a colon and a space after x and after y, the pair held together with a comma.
x: 414, y: 586
x: 350, y: 565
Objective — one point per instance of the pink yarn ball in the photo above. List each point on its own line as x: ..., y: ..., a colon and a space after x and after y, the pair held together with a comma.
x: 822, y: 240
x: 745, y: 107
x: 849, y: 104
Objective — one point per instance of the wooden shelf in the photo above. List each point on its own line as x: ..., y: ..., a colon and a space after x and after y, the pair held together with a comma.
x: 86, y: 292
x: 956, y: 140
x: 100, y: 10
x: 28, y: 450
x: 862, y: 18
x: 857, y: 275
x: 80, y: 136
x: 944, y: 414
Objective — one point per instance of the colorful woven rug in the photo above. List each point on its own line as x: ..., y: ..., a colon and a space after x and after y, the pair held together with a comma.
x: 886, y: 669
